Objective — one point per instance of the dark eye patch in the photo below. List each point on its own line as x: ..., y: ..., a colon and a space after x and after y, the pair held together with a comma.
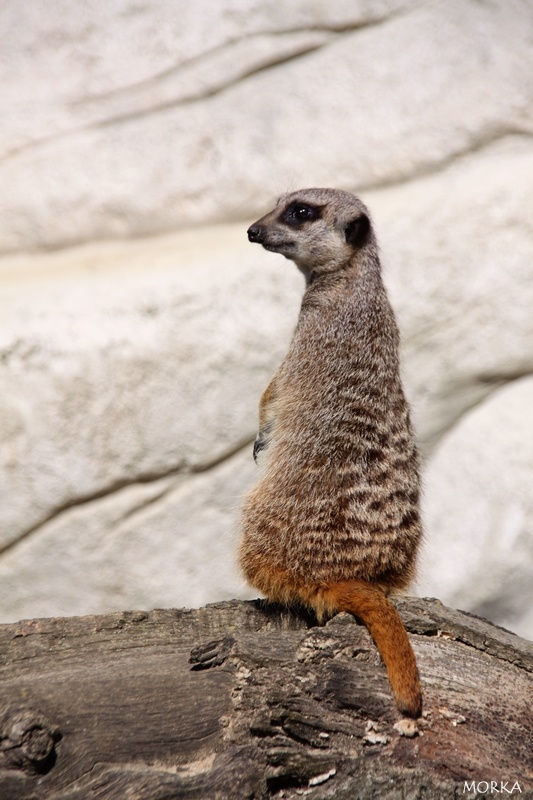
x: 298, y: 213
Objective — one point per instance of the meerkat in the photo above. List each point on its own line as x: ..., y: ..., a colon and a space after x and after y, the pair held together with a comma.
x: 333, y: 522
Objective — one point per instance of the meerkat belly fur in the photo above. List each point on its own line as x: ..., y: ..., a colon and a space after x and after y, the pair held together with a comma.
x: 333, y: 521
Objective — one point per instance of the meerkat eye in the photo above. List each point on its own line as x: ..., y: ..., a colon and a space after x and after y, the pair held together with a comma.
x: 298, y: 213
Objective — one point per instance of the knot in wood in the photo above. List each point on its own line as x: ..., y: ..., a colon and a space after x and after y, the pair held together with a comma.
x: 28, y: 739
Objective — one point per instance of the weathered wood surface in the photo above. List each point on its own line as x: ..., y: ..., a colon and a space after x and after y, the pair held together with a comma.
x: 244, y: 700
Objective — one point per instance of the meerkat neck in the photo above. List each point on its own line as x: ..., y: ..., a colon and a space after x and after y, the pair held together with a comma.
x: 344, y: 275
x: 321, y: 273
x: 320, y: 281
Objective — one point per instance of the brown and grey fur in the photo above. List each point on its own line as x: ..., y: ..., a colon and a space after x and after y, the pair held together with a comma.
x: 334, y: 520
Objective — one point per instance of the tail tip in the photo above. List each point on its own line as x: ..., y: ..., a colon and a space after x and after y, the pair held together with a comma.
x: 410, y: 707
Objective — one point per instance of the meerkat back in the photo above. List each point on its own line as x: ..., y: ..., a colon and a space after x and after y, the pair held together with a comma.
x: 333, y: 521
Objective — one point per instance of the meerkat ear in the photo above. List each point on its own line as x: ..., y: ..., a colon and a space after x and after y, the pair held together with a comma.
x: 357, y: 230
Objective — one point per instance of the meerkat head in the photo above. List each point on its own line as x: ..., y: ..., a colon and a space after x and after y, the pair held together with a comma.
x: 318, y: 229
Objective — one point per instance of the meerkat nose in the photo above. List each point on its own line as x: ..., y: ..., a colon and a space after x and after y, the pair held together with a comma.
x: 256, y: 233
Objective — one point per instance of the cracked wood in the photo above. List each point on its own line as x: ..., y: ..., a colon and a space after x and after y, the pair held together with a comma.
x: 243, y: 699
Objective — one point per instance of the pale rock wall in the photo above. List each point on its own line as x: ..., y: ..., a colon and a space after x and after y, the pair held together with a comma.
x: 138, y: 327
x: 484, y: 509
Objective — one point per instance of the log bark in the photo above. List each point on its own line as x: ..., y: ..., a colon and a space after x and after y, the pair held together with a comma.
x: 248, y: 700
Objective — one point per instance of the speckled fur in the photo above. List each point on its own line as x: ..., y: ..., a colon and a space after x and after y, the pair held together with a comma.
x: 338, y: 497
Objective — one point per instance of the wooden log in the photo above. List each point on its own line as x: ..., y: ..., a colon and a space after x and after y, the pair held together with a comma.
x: 248, y: 700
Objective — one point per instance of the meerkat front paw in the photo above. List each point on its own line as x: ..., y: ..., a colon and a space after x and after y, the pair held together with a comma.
x: 263, y: 438
x: 259, y: 444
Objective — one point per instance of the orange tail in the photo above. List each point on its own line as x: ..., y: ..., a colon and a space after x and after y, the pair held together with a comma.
x: 386, y: 629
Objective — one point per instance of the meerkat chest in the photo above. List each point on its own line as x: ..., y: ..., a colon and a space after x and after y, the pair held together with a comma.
x: 339, y: 384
